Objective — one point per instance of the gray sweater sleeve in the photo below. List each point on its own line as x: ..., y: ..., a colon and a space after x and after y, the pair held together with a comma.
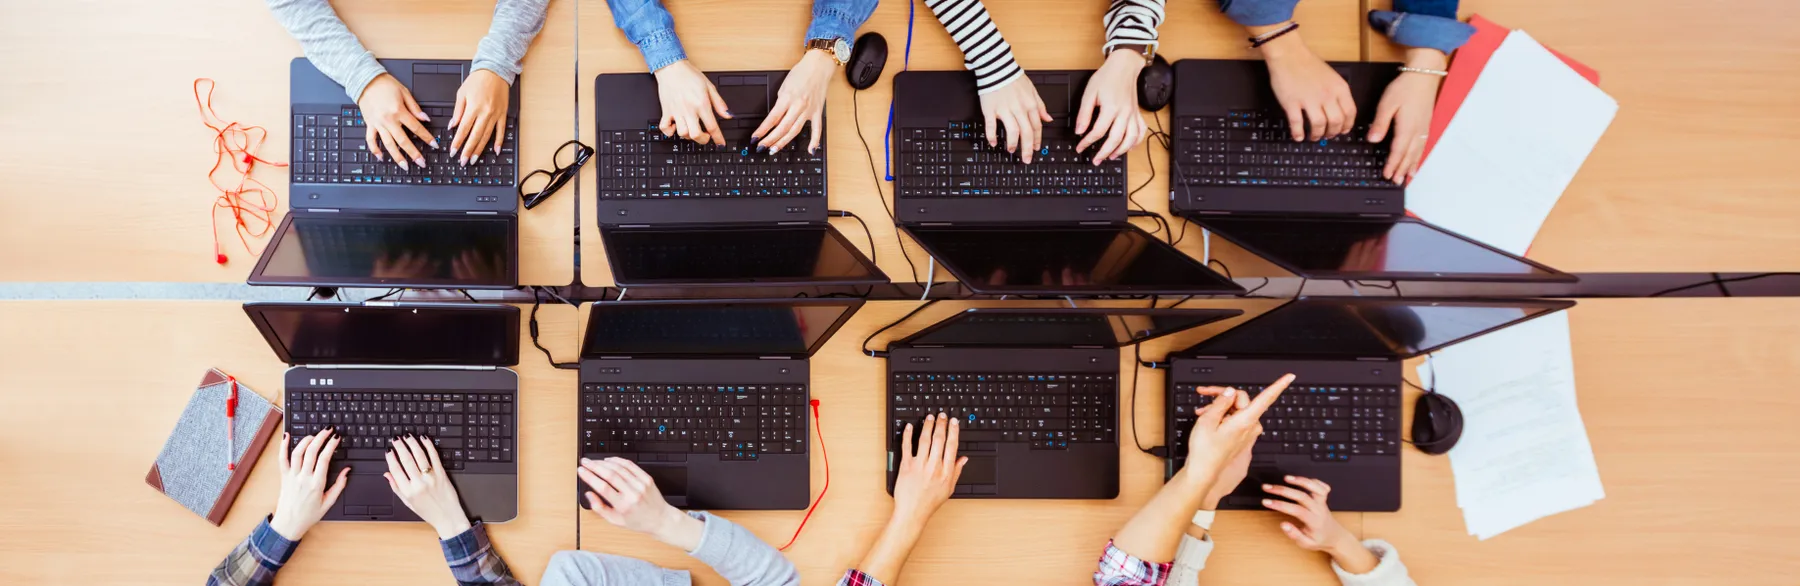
x: 741, y: 558
x: 516, y: 23
x: 328, y: 43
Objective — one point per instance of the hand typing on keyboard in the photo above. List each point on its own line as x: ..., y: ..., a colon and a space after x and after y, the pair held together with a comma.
x: 1406, y: 106
x: 689, y: 101
x: 801, y: 101
x: 924, y: 481
x: 390, y: 112
x: 304, y: 498
x: 480, y: 115
x: 1317, y: 100
x: 417, y: 475
x: 1109, y: 108
x: 1017, y: 107
x: 1317, y: 530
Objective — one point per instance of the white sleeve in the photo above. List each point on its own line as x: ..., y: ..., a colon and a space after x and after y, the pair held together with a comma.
x: 1389, y: 572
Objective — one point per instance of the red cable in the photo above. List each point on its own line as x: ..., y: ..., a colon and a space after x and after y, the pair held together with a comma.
x: 237, y: 143
x: 827, y: 458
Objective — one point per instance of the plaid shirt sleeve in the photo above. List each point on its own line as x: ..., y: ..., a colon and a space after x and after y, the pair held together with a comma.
x: 1118, y: 568
x: 254, y: 561
x: 855, y: 577
x: 473, y: 560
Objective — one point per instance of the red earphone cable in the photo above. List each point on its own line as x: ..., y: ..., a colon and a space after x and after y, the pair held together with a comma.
x: 823, y: 456
x: 237, y: 144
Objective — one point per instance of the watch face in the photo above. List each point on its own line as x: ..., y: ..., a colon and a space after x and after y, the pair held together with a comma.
x: 841, y: 50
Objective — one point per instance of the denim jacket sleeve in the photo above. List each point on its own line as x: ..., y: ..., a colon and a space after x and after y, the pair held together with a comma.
x: 838, y: 19
x: 1415, y: 23
x: 649, y: 26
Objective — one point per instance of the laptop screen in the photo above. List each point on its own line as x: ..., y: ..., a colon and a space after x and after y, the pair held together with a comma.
x: 408, y: 334
x: 1061, y: 328
x: 394, y: 250
x: 718, y: 255
x: 1069, y: 260
x: 709, y: 328
x: 1367, y: 327
x: 1372, y: 249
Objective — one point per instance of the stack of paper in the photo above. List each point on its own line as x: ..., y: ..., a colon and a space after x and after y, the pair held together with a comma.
x: 1513, y: 146
x: 1524, y: 452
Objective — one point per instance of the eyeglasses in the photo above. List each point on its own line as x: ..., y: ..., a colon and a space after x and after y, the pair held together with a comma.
x: 533, y: 190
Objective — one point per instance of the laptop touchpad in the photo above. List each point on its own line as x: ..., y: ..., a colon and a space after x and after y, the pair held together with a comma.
x: 368, y: 489
x: 979, y: 470
x: 670, y: 480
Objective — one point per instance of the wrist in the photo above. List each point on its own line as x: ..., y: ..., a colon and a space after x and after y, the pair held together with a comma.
x: 1352, y: 556
x: 451, y: 528
x: 1129, y: 59
x: 289, y: 529
x: 679, y: 529
x: 1197, y: 478
x: 1426, y: 58
x: 671, y: 66
x: 1211, y: 502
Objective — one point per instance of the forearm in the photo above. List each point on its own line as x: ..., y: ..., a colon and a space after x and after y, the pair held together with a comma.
x: 1152, y: 534
x: 1255, y: 13
x: 328, y: 44
x: 516, y: 23
x: 888, y: 555
x: 255, y: 560
x: 985, y: 52
x: 473, y: 560
x: 649, y: 26
x: 1133, y: 22
x: 736, y: 554
x: 838, y: 19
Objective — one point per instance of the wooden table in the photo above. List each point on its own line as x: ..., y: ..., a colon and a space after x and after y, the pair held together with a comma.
x: 1681, y: 398
x: 106, y: 159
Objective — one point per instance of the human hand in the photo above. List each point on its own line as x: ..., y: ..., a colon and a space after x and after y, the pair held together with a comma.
x: 1229, y: 477
x: 624, y: 495
x: 1017, y: 106
x: 480, y: 114
x: 688, y: 103
x: 304, y: 499
x: 801, y: 101
x: 1227, y: 426
x: 1316, y: 99
x: 1406, y: 106
x: 406, y: 265
x: 389, y: 112
x: 1318, y: 530
x: 926, y: 479
x: 418, y: 477
x: 1110, y: 102
x: 474, y: 265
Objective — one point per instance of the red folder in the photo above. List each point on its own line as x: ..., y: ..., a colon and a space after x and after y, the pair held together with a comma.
x: 1470, y: 60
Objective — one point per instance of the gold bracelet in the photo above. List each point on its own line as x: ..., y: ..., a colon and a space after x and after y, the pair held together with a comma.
x: 1436, y: 72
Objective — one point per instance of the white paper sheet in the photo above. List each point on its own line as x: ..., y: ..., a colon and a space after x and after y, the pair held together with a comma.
x: 1524, y: 452
x: 1515, y: 144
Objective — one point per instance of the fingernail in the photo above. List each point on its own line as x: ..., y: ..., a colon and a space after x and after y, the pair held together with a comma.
x: 402, y: 163
x: 1268, y: 486
x: 1228, y: 392
x: 420, y: 161
x: 1267, y: 502
x: 956, y: 422
x: 585, y: 460
x: 434, y: 144
x: 378, y: 157
x: 1288, y: 478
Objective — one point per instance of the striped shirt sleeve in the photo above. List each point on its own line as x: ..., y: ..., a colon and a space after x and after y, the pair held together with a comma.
x: 1132, y: 22
x: 985, y: 52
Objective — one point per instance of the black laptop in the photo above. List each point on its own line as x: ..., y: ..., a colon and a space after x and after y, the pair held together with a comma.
x: 673, y: 212
x: 709, y: 397
x: 1035, y: 392
x: 377, y: 369
x: 1057, y: 226
x: 1319, y: 209
x: 354, y: 220
x: 1340, y: 419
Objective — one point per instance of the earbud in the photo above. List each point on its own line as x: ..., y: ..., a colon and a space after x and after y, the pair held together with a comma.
x: 222, y: 258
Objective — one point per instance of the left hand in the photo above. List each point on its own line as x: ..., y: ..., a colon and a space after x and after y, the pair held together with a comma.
x: 800, y: 102
x: 1317, y: 530
x: 480, y: 114
x: 418, y: 477
x: 304, y: 498
x: 1406, y: 107
x: 1112, y: 91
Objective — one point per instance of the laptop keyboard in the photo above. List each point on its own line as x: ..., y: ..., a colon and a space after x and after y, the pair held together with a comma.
x: 466, y: 427
x: 1048, y: 411
x: 333, y: 148
x: 955, y: 161
x: 1247, y: 147
x: 644, y: 164
x: 662, y: 422
x: 1329, y: 423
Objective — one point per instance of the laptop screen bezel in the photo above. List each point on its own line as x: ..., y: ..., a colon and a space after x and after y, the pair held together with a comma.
x: 511, y: 255
x: 876, y: 277
x: 1551, y: 275
x: 850, y: 305
x: 1211, y: 316
x: 1229, y: 287
x: 1546, y: 307
x: 509, y: 346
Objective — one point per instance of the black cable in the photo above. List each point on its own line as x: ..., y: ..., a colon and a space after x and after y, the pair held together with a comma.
x: 1137, y: 359
x: 537, y: 300
x: 382, y: 296
x: 1721, y: 283
x: 466, y: 294
x: 1161, y: 224
x: 866, y: 232
x: 1222, y: 267
x: 856, y: 112
x: 883, y: 353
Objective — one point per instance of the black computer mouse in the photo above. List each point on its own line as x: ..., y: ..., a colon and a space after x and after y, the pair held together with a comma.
x: 867, y: 59
x: 1437, y: 423
x: 1156, y: 84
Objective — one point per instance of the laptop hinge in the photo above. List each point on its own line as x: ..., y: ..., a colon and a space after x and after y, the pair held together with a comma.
x: 482, y: 213
x: 1097, y: 223
x: 393, y: 367
x: 333, y: 210
x: 632, y: 226
x: 1383, y: 216
x: 932, y: 224
x: 793, y: 223
x: 774, y: 358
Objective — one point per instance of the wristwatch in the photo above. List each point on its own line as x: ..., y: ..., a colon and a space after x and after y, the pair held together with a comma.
x: 1148, y: 51
x: 837, y: 48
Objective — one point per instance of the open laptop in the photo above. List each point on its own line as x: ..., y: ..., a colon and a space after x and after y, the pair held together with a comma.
x: 1319, y: 209
x: 673, y: 212
x: 1035, y: 391
x: 709, y: 397
x: 354, y: 220
x: 1056, y: 226
x: 377, y: 369
x: 1340, y: 419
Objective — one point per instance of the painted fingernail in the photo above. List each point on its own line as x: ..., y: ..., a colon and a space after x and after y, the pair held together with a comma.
x: 402, y: 163
x: 585, y: 460
x: 420, y: 161
x: 1267, y: 502
x: 1268, y: 487
x: 1288, y: 478
x: 434, y: 144
x: 1228, y: 392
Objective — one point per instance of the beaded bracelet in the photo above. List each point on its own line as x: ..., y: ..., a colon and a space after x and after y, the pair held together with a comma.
x: 1436, y: 72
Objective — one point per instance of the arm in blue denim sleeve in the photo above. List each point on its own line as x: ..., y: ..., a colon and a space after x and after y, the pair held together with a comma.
x: 838, y: 19
x: 1429, y: 24
x: 649, y: 26
x: 1258, y: 12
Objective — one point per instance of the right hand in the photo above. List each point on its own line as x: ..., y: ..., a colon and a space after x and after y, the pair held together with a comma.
x: 1317, y: 100
x: 1318, y: 530
x: 927, y: 479
x: 1016, y: 106
x: 1227, y: 427
x: 624, y: 495
x: 689, y: 101
x: 304, y: 499
x: 389, y: 112
x: 417, y: 476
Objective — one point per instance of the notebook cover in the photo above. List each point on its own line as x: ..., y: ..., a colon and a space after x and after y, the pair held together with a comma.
x: 192, y: 466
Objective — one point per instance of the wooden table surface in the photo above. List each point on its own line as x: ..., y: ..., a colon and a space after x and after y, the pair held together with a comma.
x: 1685, y: 402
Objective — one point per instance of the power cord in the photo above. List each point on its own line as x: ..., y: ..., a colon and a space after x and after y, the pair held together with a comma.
x: 856, y: 112
x: 820, y: 429
x: 1716, y: 280
x: 1227, y: 271
x: 1137, y: 360
x: 883, y: 353
x: 865, y: 227
x: 536, y: 300
x: 1161, y: 224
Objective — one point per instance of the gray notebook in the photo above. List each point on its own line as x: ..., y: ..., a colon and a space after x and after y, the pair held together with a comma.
x: 195, y: 467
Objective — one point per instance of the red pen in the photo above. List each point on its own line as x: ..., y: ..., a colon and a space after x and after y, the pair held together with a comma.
x: 231, y: 425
